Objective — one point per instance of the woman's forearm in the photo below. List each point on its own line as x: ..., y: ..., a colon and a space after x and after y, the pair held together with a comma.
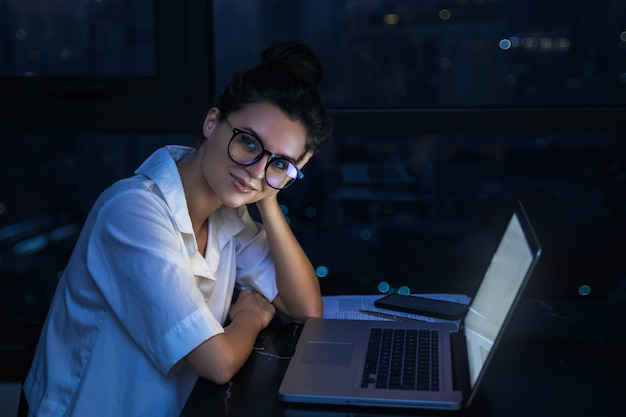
x: 298, y: 287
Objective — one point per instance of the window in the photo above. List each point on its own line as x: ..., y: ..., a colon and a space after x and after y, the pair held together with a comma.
x: 80, y: 38
x: 103, y: 65
x: 451, y: 54
x: 424, y: 211
x: 446, y: 112
x: 448, y: 65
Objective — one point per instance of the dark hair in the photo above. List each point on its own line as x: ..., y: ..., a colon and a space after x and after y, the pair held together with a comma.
x: 288, y: 77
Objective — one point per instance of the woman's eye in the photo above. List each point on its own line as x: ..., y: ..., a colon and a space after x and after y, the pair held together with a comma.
x: 249, y: 142
x: 281, y: 164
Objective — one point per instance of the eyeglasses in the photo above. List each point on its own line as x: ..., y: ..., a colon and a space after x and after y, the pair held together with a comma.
x: 245, y: 149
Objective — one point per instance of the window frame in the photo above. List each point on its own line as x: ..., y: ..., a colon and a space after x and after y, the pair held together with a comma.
x: 598, y: 119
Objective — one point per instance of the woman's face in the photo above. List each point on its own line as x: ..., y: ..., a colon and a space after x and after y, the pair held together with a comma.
x: 234, y: 184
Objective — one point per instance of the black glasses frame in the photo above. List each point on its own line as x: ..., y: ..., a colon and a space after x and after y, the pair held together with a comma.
x: 273, y: 157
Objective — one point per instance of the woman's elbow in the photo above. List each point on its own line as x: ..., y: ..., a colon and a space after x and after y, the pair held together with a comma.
x: 220, y: 378
x: 311, y: 311
x: 316, y: 311
x: 219, y: 375
x: 218, y: 367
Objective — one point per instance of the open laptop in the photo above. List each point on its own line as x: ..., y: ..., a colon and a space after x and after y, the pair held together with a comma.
x: 333, y: 362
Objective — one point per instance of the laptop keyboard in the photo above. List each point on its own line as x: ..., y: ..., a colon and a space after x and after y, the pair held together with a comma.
x: 402, y: 359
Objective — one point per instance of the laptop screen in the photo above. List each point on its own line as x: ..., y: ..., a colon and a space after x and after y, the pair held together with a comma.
x: 497, y: 293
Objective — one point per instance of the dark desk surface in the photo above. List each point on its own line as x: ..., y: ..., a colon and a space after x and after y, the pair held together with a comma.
x: 558, y: 358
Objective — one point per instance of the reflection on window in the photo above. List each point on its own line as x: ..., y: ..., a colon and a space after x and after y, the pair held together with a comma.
x: 77, y: 38
x: 407, y: 53
x: 422, y: 212
x: 427, y: 211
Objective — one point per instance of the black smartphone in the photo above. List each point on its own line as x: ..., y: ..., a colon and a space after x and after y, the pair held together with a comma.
x: 421, y: 305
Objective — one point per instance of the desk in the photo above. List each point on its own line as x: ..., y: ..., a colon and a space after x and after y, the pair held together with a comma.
x: 558, y: 358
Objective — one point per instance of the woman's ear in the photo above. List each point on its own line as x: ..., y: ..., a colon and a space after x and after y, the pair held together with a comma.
x: 210, y: 121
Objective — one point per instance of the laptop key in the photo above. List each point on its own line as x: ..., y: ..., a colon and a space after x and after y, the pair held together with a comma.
x: 402, y: 359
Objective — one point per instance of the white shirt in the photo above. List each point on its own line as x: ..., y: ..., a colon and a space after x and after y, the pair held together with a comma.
x: 137, y: 296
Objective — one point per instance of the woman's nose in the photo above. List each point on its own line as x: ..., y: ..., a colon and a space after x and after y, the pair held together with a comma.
x: 257, y: 170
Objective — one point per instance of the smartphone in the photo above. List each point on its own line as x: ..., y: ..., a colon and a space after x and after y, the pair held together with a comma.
x: 421, y: 305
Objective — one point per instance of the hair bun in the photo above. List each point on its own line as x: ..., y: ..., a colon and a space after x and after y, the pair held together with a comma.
x: 297, y: 58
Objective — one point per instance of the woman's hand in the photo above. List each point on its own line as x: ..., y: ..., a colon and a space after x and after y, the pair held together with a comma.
x: 221, y: 356
x: 255, y: 305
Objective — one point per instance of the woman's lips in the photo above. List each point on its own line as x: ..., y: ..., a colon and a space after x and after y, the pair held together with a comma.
x: 241, y: 185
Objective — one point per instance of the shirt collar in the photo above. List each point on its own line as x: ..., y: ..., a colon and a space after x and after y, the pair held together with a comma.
x: 161, y: 168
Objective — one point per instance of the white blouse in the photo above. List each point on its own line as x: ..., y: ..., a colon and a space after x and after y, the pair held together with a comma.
x: 137, y: 297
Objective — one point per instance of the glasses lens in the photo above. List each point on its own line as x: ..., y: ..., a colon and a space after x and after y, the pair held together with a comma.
x: 245, y: 149
x: 281, y: 173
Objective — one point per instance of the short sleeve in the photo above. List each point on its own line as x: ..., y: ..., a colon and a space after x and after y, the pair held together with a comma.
x: 139, y: 261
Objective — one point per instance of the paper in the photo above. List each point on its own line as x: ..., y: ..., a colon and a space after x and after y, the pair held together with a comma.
x: 349, y: 306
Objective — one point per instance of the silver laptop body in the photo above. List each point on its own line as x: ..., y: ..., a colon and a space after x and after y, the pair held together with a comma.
x: 328, y: 366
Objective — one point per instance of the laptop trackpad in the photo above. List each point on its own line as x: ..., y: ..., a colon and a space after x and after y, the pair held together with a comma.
x: 327, y: 353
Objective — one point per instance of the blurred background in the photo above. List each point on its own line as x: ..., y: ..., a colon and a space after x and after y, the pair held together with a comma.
x: 446, y: 113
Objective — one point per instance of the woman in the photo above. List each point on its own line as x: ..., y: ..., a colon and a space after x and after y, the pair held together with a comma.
x: 144, y: 305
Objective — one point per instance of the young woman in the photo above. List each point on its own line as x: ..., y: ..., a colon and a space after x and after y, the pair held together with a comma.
x: 144, y: 305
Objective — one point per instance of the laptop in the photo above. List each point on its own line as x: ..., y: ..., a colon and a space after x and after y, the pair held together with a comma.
x: 336, y: 361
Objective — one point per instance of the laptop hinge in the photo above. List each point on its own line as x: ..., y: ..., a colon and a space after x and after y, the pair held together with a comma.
x: 460, y: 371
